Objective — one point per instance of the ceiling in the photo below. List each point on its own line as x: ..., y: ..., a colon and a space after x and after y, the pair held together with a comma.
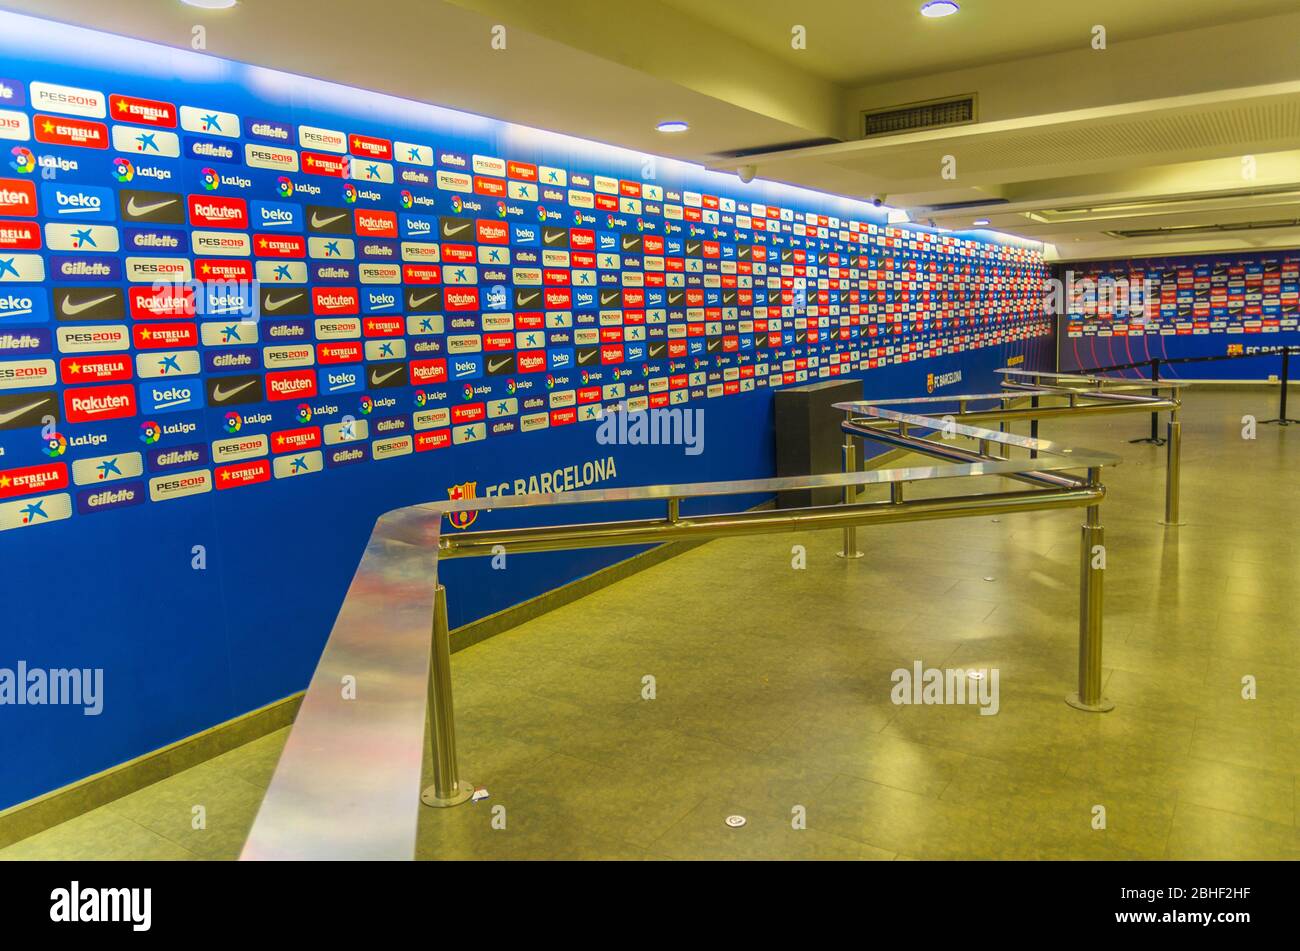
x: 1133, y: 150
x: 855, y: 42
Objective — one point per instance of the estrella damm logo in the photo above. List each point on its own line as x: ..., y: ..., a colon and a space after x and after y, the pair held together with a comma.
x: 460, y: 493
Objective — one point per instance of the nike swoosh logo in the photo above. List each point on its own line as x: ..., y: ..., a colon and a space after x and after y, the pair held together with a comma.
x: 418, y: 301
x: 377, y: 379
x: 587, y: 358
x: 493, y: 367
x: 137, y: 211
x: 318, y: 222
x: 72, y: 309
x: 449, y: 231
x: 528, y: 298
x: 552, y: 238
x: 629, y: 243
x: 220, y: 396
x: 277, y: 304
x: 655, y: 351
x: 15, y: 413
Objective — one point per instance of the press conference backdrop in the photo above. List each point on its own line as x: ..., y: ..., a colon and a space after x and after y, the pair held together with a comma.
x: 244, y: 313
x: 1213, y: 305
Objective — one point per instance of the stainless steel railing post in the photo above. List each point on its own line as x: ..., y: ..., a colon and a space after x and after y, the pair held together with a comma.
x: 850, y: 549
x: 1173, y: 474
x: 896, y: 488
x: 448, y: 788
x: 1092, y: 570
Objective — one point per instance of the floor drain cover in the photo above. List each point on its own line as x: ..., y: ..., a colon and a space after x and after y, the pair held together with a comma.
x: 735, y: 821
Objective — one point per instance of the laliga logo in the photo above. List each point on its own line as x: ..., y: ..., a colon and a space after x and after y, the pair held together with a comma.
x: 585, y: 378
x: 501, y: 209
x: 234, y: 422
x: 23, y: 160
x: 367, y: 405
x: 283, y: 187
x: 150, y: 433
x: 456, y: 204
x: 542, y: 213
x: 407, y: 199
x: 350, y: 193
x: 55, y: 446
x: 510, y: 387
x: 304, y: 413
x: 421, y: 398
x: 577, y: 217
x: 467, y: 392
x: 550, y: 382
x: 123, y: 170
x: 210, y: 179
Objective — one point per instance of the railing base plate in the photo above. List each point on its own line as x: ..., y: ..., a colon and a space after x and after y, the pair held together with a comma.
x: 464, y: 792
x: 1104, y: 707
x: 856, y: 554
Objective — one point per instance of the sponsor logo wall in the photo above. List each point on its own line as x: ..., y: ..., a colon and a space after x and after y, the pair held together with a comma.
x: 233, y: 332
x: 1183, y: 307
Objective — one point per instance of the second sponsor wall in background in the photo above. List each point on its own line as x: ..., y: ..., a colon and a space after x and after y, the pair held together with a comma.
x: 1183, y: 306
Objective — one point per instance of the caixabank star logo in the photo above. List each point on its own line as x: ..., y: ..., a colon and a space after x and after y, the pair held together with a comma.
x: 461, y: 493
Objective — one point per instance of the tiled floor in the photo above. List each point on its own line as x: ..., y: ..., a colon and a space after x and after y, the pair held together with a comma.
x: 773, y: 692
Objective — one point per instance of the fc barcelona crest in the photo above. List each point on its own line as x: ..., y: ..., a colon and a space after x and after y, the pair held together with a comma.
x: 459, y: 493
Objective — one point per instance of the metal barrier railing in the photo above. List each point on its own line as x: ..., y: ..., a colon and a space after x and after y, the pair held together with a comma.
x: 1155, y: 363
x: 344, y: 786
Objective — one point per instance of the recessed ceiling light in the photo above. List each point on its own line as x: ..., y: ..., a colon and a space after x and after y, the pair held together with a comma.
x: 979, y: 222
x: 939, y: 8
x: 210, y: 4
x: 673, y: 125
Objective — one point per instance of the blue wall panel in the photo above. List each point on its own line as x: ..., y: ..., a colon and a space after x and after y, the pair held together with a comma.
x: 182, y: 649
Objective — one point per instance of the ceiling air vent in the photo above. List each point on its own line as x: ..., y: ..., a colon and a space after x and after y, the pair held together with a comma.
x: 919, y: 116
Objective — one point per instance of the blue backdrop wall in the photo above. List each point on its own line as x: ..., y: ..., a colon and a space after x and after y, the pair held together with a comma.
x: 244, y: 313
x: 1191, y: 306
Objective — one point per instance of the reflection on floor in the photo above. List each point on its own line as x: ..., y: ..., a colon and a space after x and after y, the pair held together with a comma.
x: 772, y: 693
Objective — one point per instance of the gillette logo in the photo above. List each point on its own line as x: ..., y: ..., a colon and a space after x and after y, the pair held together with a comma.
x: 21, y: 343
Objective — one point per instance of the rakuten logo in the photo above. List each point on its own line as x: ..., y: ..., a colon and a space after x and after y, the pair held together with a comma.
x: 99, y: 403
